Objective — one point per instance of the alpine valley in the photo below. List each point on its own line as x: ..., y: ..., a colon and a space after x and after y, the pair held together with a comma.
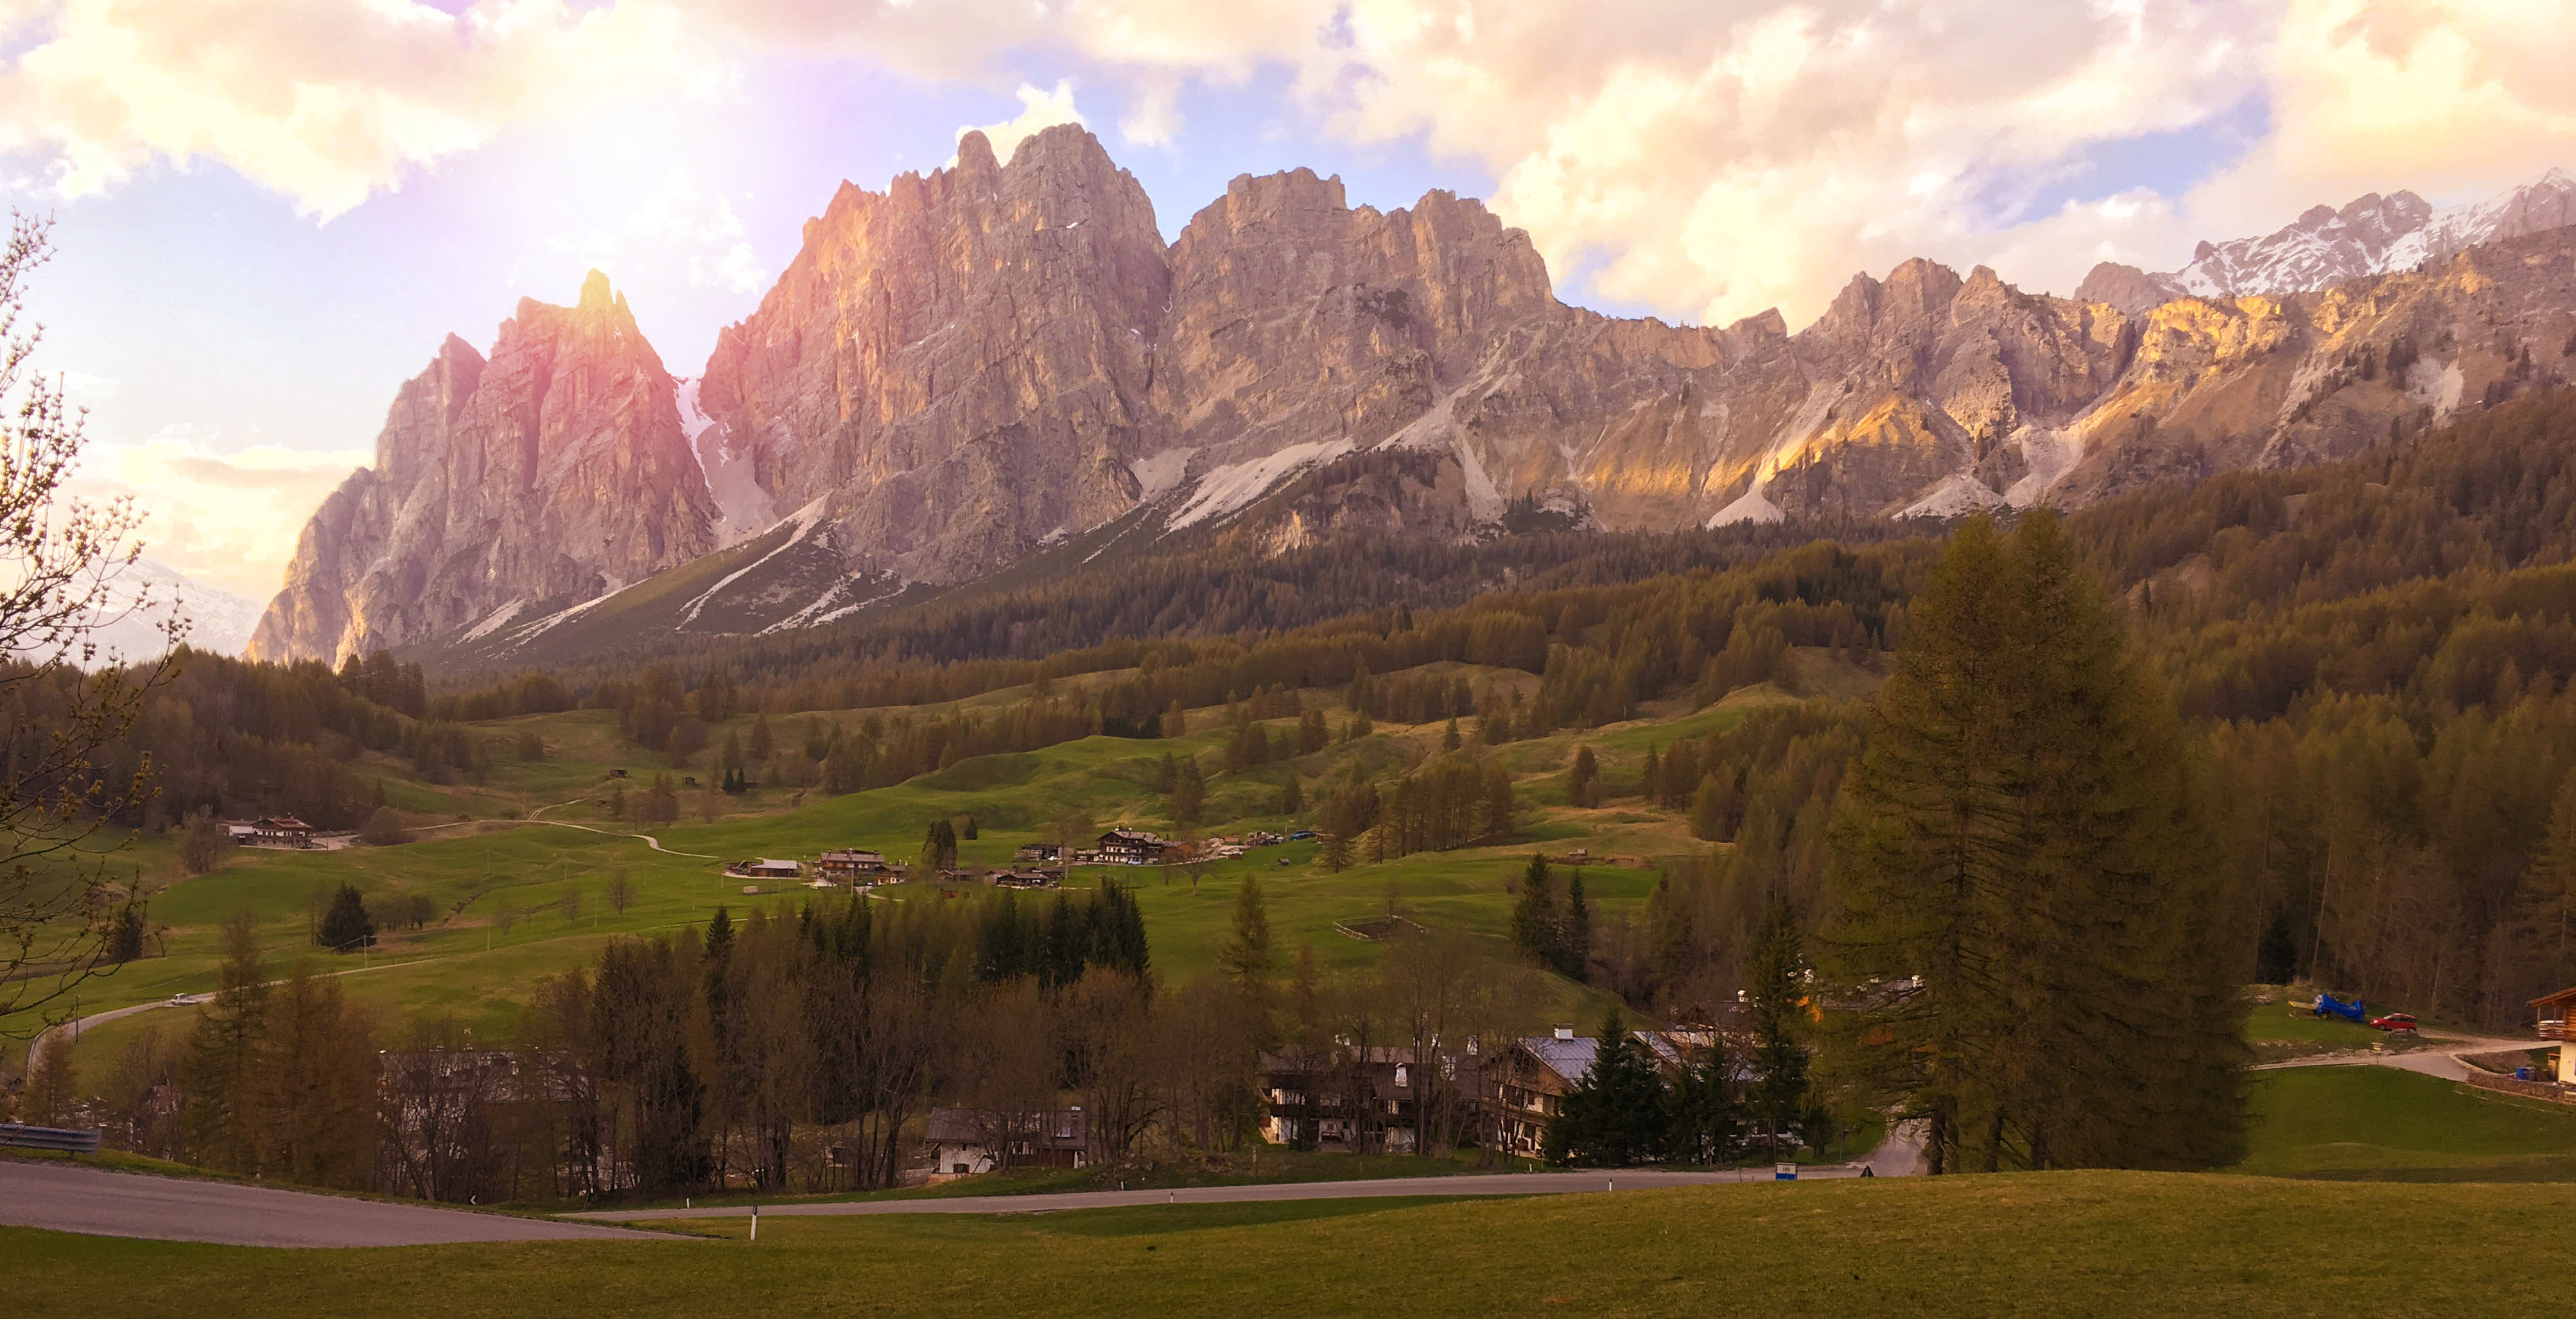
x: 1002, y: 369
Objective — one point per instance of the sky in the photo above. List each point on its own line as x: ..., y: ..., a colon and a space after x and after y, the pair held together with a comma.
x: 268, y: 213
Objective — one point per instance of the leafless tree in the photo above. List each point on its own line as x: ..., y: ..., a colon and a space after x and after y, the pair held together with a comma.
x: 59, y: 560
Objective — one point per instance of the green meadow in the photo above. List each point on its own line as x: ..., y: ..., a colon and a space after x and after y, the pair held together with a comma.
x: 2052, y: 1243
x: 499, y: 860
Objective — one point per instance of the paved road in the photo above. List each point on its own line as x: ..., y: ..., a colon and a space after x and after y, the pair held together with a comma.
x: 1511, y: 1183
x: 72, y: 1029
x: 2440, y: 1058
x: 67, y: 1197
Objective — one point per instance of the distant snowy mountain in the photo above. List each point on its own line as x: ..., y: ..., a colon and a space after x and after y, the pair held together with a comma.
x: 145, y: 594
x: 2372, y: 235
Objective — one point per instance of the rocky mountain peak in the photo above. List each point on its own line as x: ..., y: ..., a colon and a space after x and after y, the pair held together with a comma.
x: 547, y: 473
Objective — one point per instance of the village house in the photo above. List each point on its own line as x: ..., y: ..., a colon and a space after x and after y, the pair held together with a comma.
x: 966, y: 1141
x: 1029, y: 877
x: 1135, y: 847
x: 1530, y: 1080
x: 853, y: 867
x: 1369, y: 1100
x: 1038, y: 854
x: 281, y: 831
x: 764, y: 868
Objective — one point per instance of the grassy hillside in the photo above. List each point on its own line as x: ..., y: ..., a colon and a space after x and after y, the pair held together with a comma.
x: 499, y: 859
x: 2383, y: 1124
x: 2081, y: 1243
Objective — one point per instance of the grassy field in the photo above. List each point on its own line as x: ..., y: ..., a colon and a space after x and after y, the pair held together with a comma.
x: 2067, y: 1243
x: 500, y: 880
x: 2384, y: 1124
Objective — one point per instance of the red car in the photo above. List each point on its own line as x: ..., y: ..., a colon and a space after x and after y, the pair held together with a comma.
x: 2394, y: 1021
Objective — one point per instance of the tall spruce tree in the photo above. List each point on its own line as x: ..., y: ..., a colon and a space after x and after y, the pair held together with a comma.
x: 1534, y: 918
x: 2021, y: 907
x: 1616, y: 1114
x: 1776, y: 997
x: 1574, y: 932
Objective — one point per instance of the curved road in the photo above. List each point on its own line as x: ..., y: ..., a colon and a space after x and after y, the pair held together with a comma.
x: 66, y: 1197
x: 2441, y: 1058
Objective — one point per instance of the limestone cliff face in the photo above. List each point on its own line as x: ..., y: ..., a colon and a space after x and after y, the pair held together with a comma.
x: 974, y: 364
x: 543, y: 476
x: 956, y: 367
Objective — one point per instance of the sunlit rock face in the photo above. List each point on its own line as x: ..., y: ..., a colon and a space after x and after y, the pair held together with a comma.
x: 545, y: 475
x: 983, y: 362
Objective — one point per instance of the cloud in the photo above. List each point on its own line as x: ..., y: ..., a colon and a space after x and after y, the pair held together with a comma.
x: 324, y: 101
x: 1038, y: 109
x: 2451, y: 98
x: 678, y: 225
x: 228, y: 519
x: 1711, y: 158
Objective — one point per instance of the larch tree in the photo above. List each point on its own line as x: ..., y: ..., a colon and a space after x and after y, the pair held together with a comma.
x: 2021, y: 912
x: 1246, y: 959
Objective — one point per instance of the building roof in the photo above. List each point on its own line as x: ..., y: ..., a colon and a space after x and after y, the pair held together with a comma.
x: 861, y: 858
x: 1572, y: 1058
x: 2552, y: 1000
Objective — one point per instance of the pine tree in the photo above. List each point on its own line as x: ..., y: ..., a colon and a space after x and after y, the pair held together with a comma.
x: 2018, y: 836
x: 1246, y: 957
x: 1534, y: 917
x: 1189, y: 793
x: 1707, y: 1122
x: 1650, y: 780
x: 1449, y: 739
x: 1292, y: 796
x: 1583, y: 782
x: 1500, y: 806
x: 1335, y: 852
x: 1776, y: 996
x: 125, y: 939
x: 346, y: 926
x: 1709, y: 810
x: 939, y: 845
x: 1616, y: 1114
x: 760, y: 737
x: 1167, y: 775
x: 219, y: 1076
x: 1574, y: 936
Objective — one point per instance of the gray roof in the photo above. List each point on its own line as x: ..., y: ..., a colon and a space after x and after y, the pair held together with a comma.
x: 1572, y: 1058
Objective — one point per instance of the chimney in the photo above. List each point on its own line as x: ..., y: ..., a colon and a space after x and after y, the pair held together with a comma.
x: 1565, y: 1032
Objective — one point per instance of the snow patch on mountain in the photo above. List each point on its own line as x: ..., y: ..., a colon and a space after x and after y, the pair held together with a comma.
x: 1159, y: 474
x: 743, y: 508
x: 140, y: 597
x: 2371, y: 235
x: 1233, y: 487
x: 1955, y: 495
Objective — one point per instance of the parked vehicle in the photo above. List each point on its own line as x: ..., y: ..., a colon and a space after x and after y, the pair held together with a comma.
x: 2394, y: 1021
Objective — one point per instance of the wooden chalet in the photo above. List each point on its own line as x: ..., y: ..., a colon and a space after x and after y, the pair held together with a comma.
x: 764, y: 868
x: 1135, y: 847
x: 853, y: 866
x: 281, y: 831
x: 1038, y: 854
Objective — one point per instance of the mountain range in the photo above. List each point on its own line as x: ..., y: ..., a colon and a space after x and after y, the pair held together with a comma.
x: 1002, y: 364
